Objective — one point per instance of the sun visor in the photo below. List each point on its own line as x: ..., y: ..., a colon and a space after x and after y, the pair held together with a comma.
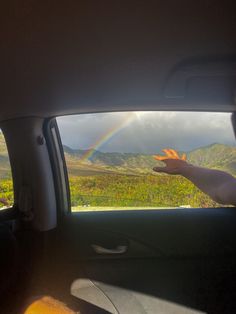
x: 200, y: 84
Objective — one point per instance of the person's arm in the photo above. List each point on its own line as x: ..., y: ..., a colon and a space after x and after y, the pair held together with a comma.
x: 219, y: 185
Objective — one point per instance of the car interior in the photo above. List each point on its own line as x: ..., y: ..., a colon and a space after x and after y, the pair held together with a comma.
x: 70, y: 58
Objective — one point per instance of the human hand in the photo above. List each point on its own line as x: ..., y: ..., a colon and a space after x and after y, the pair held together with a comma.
x: 174, y: 163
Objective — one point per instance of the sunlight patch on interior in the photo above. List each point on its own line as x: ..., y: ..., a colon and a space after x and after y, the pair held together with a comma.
x: 114, y: 299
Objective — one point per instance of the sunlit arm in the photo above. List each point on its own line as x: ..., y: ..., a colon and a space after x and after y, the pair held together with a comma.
x: 219, y: 185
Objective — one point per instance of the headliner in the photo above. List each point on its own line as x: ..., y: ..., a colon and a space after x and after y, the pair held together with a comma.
x: 94, y: 56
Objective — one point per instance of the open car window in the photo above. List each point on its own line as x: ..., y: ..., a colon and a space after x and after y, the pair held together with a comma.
x: 109, y: 157
x: 6, y: 184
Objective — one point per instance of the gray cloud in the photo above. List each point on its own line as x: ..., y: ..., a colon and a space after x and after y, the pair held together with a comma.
x: 147, y: 132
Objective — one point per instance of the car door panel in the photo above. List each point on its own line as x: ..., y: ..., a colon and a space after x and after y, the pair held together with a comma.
x: 184, y: 257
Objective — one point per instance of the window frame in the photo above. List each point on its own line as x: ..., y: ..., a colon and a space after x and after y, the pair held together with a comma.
x: 61, y: 154
x: 59, y: 169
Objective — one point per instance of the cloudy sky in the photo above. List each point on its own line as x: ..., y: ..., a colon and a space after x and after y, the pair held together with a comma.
x: 145, y: 132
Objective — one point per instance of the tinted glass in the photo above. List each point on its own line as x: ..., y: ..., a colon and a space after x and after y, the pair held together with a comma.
x: 109, y: 157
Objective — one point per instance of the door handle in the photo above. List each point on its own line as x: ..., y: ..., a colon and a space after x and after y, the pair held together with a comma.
x: 120, y: 249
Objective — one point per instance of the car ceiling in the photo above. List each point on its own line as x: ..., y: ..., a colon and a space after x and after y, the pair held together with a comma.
x: 60, y: 57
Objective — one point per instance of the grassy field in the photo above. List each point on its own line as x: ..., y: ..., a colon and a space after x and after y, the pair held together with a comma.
x: 6, y: 191
x: 120, y: 191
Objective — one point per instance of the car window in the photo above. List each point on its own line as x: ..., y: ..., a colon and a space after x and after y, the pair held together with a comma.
x: 6, y: 184
x: 110, y: 157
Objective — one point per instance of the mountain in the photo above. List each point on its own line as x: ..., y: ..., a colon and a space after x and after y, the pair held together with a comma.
x: 217, y: 156
x: 77, y: 162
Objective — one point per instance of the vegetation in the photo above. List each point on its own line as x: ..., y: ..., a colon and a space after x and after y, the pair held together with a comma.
x: 6, y: 185
x: 6, y: 191
x: 121, y: 190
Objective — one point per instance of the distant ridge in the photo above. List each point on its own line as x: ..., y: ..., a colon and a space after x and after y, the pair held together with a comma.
x: 216, y: 155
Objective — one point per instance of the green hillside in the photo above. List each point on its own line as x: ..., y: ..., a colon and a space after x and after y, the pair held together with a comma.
x: 217, y: 156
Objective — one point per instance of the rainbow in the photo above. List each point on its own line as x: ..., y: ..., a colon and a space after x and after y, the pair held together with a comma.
x: 105, y: 138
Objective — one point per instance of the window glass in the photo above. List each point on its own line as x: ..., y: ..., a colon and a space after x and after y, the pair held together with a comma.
x: 6, y: 184
x: 109, y: 157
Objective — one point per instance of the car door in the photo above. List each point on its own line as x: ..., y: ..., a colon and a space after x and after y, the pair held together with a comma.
x: 140, y: 261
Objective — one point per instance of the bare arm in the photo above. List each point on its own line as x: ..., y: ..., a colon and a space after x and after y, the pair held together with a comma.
x: 219, y: 185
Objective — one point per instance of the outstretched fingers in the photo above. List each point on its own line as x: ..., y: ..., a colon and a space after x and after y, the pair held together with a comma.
x: 173, y: 162
x: 174, y: 154
x: 184, y: 157
x: 161, y: 158
x: 170, y: 154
